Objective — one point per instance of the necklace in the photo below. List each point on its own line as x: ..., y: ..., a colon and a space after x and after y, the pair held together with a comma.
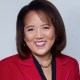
x: 46, y: 66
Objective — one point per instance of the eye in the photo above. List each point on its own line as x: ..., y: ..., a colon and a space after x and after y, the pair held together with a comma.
x: 46, y: 28
x: 31, y: 29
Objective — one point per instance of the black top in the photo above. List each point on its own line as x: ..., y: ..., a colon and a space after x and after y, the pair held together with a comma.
x: 53, y: 64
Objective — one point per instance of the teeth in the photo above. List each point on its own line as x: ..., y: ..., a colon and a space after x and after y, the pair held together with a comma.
x: 40, y: 43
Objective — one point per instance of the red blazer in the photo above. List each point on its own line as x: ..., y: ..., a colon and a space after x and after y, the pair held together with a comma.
x: 13, y: 68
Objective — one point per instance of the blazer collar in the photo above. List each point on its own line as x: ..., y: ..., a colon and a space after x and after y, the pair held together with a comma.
x: 61, y: 62
x: 61, y: 59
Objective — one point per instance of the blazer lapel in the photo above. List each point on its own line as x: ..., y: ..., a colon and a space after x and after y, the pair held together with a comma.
x: 61, y: 68
x: 30, y: 69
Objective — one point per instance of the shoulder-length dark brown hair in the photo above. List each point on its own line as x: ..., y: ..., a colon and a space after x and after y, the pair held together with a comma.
x: 52, y: 13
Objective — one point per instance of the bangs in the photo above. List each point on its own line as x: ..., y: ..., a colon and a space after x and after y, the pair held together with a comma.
x: 44, y: 17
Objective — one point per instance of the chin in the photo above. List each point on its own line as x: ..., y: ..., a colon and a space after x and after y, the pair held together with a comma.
x: 40, y: 53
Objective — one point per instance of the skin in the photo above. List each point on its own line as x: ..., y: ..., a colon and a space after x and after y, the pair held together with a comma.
x: 39, y: 37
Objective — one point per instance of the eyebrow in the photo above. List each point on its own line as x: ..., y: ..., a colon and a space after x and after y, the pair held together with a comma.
x: 45, y: 24
x: 41, y: 25
x: 29, y: 26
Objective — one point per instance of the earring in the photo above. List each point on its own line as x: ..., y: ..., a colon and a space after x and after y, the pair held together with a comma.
x: 57, y: 39
x: 24, y: 44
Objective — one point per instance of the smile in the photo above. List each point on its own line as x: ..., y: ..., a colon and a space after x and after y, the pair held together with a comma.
x: 40, y: 43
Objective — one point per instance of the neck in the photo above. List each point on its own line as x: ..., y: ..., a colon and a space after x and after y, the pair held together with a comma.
x: 43, y: 59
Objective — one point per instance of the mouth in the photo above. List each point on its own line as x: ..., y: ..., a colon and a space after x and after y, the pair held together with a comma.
x: 40, y: 43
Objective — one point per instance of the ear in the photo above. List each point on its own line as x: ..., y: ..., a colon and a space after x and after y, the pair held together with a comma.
x: 55, y: 36
x: 24, y: 39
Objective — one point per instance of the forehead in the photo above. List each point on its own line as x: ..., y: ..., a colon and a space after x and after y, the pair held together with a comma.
x: 43, y: 17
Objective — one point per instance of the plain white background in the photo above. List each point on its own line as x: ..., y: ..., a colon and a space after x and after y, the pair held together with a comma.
x: 69, y: 10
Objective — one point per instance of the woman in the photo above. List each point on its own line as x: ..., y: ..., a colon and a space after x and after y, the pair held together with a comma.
x: 40, y: 38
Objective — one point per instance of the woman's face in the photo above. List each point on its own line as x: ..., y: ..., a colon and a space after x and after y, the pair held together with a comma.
x: 39, y: 35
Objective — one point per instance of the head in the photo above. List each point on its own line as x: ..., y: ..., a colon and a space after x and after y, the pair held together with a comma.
x: 48, y: 13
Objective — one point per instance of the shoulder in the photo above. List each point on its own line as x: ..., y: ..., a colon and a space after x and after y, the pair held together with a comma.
x: 68, y: 65
x: 6, y: 67
x: 9, y: 60
x: 67, y: 61
x: 15, y: 60
x: 70, y: 59
x: 66, y: 58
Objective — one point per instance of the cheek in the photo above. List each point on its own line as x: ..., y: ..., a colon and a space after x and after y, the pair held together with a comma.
x: 28, y: 37
x: 51, y: 35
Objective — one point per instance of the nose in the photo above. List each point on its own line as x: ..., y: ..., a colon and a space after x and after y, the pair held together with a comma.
x: 39, y: 34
